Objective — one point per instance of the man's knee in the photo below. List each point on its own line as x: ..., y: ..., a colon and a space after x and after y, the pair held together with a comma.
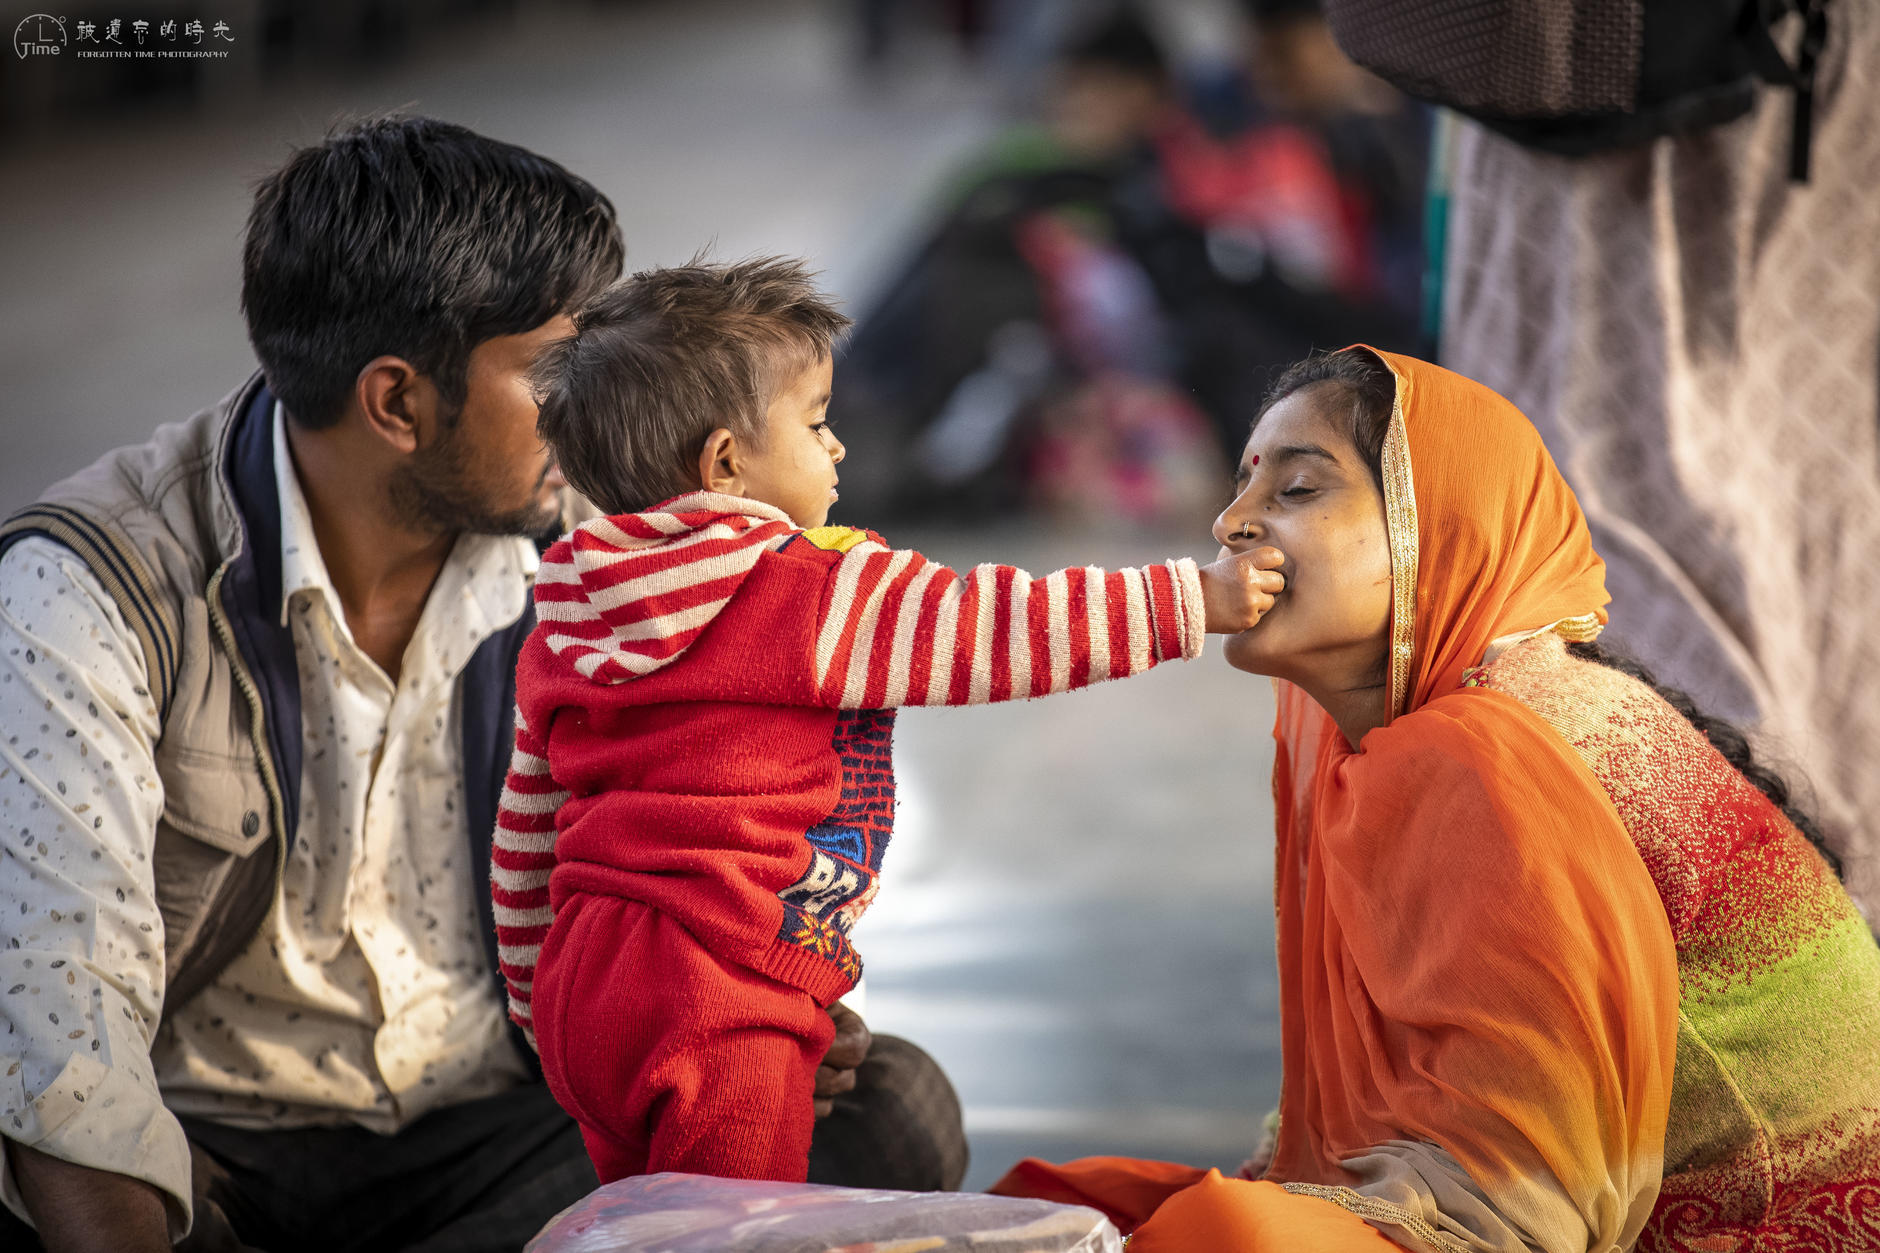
x: 899, y: 1128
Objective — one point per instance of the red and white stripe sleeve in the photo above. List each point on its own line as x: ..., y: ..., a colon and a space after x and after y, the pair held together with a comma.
x: 897, y: 629
x: 521, y: 856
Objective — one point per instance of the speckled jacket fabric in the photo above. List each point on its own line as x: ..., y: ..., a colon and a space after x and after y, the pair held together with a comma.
x: 183, y: 532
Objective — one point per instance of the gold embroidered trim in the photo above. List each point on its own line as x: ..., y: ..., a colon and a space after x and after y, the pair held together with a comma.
x: 1400, y: 520
x: 1580, y: 630
x: 1371, y: 1209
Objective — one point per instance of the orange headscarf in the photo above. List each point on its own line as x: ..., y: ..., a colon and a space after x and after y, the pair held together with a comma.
x: 1471, y: 952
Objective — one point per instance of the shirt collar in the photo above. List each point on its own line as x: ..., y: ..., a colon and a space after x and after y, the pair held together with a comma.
x: 303, y: 569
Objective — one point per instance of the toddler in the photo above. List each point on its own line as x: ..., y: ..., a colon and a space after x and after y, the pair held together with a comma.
x: 702, y: 787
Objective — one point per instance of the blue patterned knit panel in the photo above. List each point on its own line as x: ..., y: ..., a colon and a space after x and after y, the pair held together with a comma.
x: 847, y: 846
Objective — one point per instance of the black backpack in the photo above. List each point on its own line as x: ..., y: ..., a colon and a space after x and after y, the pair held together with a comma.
x: 1580, y: 76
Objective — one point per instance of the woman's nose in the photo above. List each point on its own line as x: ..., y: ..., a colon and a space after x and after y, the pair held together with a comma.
x: 1229, y: 526
x: 836, y: 450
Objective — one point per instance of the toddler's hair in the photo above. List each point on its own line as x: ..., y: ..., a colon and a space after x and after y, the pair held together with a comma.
x: 660, y: 360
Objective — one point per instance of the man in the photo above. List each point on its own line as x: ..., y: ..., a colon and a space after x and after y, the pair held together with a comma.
x: 255, y: 689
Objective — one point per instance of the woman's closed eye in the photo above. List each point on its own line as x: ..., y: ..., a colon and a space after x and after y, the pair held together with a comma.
x: 1298, y: 490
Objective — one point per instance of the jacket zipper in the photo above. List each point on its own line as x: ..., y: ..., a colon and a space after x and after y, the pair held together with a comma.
x: 257, y: 729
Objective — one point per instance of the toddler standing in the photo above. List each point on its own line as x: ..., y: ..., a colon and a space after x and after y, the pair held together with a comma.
x: 702, y: 787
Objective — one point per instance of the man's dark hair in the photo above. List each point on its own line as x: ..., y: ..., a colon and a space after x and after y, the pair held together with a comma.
x: 661, y: 360
x: 417, y: 238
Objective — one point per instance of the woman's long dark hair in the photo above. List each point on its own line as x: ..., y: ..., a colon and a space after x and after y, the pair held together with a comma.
x: 1369, y: 391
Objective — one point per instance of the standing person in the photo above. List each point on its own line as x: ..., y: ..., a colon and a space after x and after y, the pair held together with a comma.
x: 1697, y: 336
x: 256, y: 680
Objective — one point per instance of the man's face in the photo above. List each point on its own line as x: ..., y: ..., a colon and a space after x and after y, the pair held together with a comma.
x: 486, y: 471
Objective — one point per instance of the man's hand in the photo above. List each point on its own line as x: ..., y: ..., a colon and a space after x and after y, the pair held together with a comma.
x: 836, y: 1075
x: 77, y: 1208
x: 1237, y: 590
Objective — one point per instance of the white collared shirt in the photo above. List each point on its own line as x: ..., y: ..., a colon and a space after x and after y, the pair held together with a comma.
x: 365, y: 999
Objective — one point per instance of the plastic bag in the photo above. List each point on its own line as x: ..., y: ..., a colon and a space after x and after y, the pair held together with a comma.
x: 674, y: 1213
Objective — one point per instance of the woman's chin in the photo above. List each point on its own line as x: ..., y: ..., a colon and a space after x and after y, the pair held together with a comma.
x: 1248, y: 651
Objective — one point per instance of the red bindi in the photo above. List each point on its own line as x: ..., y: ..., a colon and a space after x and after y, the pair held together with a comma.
x: 1256, y: 458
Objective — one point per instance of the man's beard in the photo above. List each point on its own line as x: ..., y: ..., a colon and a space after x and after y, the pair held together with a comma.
x: 435, y: 491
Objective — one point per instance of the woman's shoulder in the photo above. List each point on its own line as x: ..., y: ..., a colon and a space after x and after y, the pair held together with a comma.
x: 1697, y: 822
x: 1621, y: 729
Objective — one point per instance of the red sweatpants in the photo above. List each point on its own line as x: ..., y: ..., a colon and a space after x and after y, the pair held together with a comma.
x: 669, y: 1057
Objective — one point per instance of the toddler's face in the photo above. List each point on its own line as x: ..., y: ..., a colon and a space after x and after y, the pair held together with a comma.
x: 795, y: 470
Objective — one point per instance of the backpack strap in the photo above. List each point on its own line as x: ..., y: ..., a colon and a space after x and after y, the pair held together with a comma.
x: 116, y: 564
x: 1760, y: 20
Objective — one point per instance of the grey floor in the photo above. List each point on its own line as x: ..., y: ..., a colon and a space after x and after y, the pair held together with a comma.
x: 1076, y: 913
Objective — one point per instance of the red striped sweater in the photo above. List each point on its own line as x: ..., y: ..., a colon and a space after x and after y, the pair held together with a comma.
x: 705, y: 709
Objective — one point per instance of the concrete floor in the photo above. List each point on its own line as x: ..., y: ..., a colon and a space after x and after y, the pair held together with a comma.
x: 1076, y: 914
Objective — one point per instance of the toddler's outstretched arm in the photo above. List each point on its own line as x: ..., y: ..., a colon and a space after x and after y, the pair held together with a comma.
x: 896, y: 629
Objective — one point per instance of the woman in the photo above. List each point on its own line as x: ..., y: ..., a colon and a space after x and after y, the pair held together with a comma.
x: 1554, y: 973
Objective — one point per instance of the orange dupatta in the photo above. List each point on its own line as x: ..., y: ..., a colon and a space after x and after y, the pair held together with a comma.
x: 1472, y: 955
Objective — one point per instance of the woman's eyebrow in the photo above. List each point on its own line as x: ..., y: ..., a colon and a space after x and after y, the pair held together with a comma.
x: 1293, y: 452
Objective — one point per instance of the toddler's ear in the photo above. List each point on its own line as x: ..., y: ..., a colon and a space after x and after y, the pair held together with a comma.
x: 718, y: 468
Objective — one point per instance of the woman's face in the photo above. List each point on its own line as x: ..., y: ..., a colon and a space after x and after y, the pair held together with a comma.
x: 1303, y: 487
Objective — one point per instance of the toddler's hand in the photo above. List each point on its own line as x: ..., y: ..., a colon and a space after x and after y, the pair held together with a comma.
x: 1236, y: 591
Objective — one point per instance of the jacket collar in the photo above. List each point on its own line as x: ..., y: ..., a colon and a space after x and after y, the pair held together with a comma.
x: 249, y: 532
x: 246, y: 461
x: 234, y: 459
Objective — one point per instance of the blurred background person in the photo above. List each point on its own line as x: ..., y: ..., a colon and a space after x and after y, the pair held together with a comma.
x: 1110, y: 283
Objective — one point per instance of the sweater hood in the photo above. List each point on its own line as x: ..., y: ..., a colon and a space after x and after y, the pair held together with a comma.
x: 623, y: 596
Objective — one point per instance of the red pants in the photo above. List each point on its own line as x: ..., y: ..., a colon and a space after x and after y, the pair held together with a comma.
x: 669, y: 1057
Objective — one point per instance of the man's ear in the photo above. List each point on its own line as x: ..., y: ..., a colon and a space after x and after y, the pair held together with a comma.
x: 719, y: 468
x: 400, y: 405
